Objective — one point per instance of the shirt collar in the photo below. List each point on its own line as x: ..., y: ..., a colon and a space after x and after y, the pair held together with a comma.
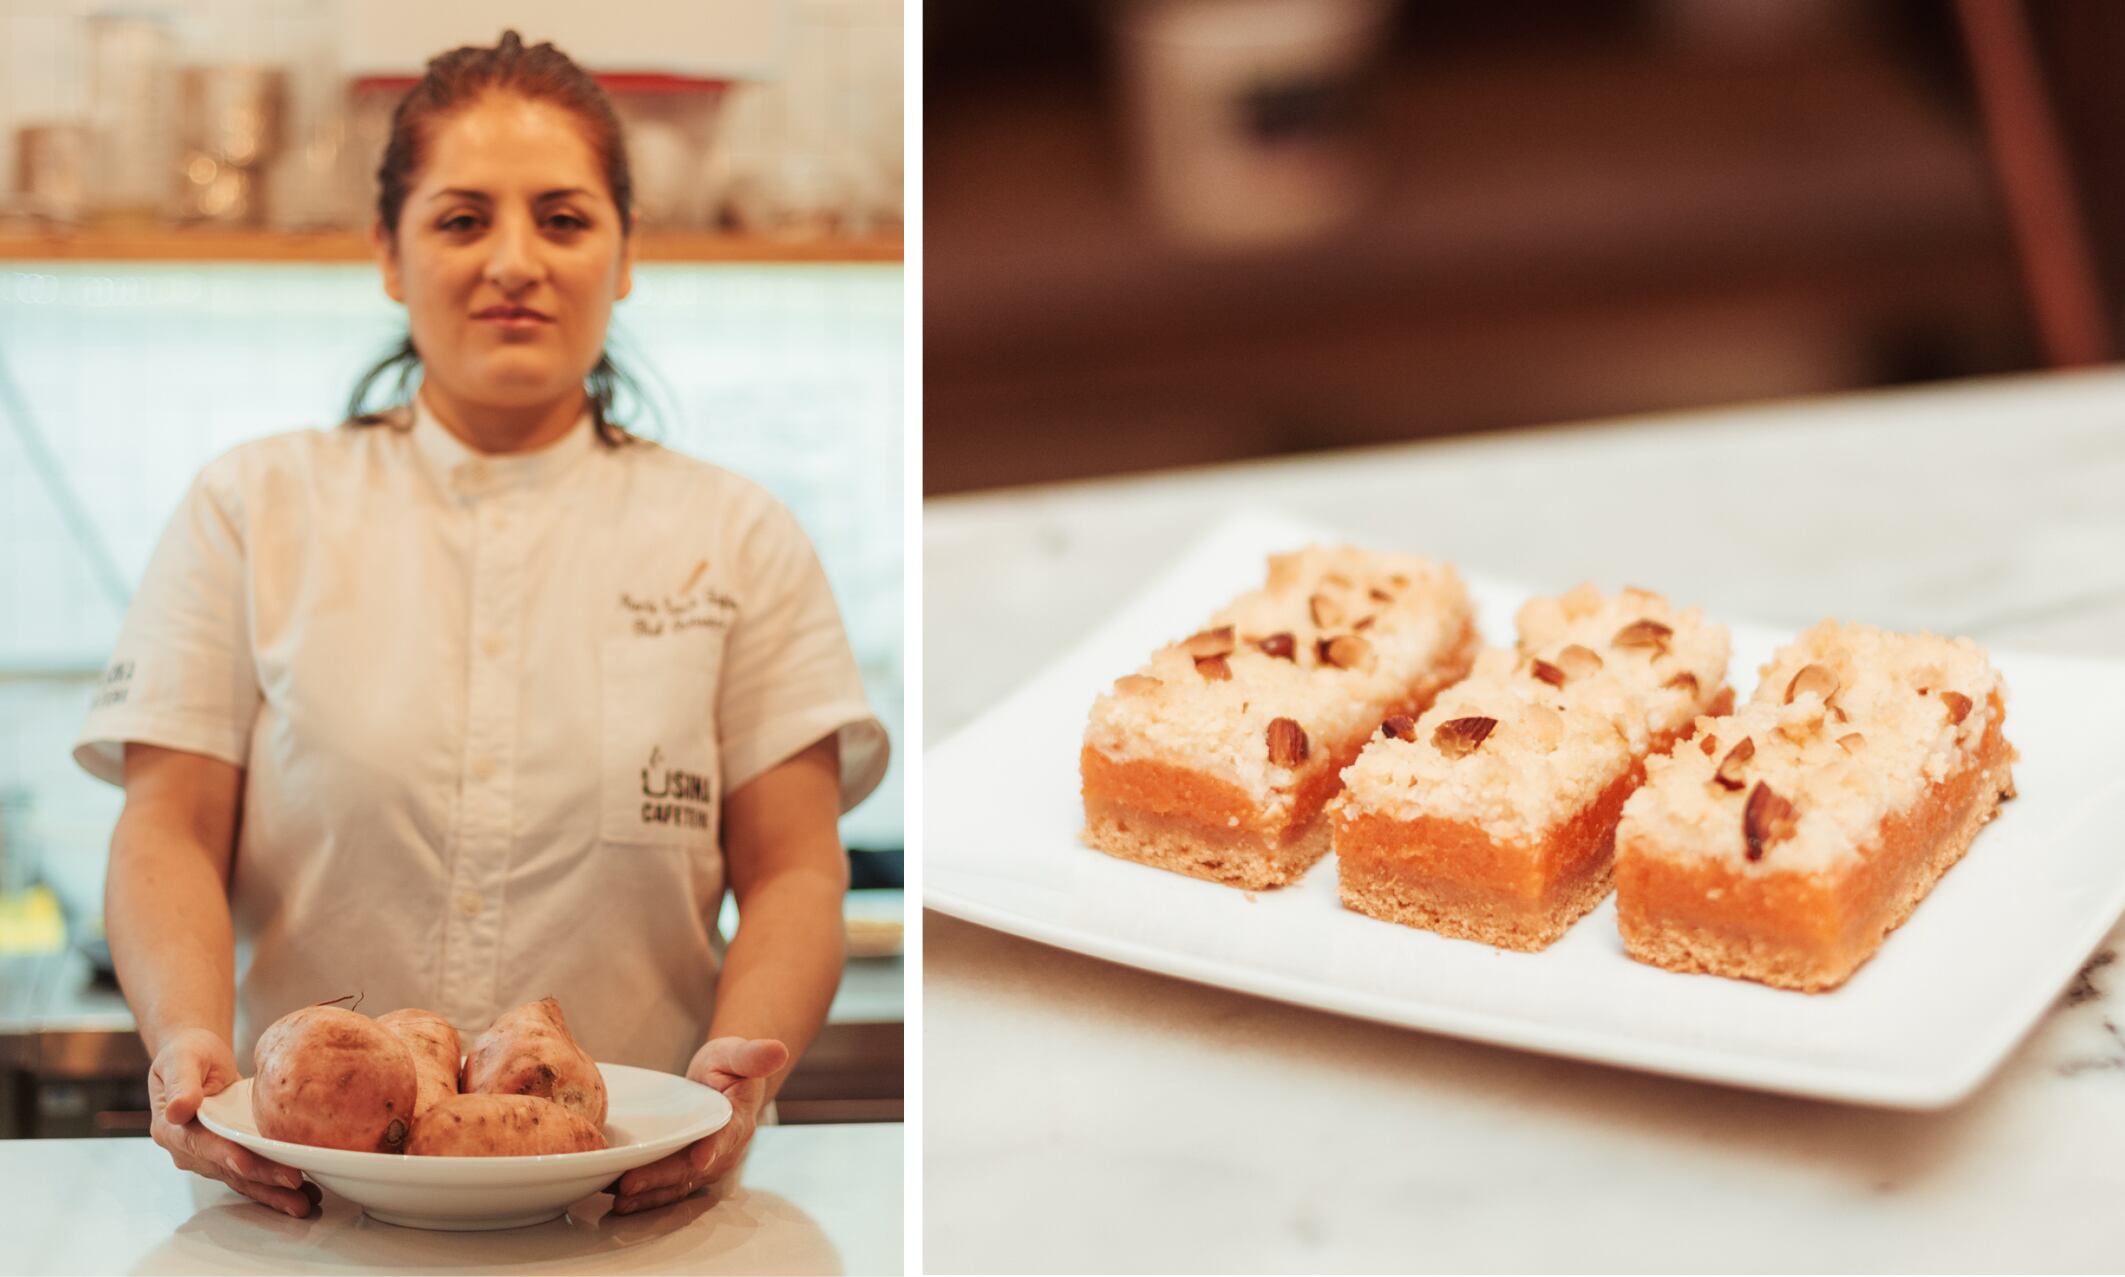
x: 462, y: 469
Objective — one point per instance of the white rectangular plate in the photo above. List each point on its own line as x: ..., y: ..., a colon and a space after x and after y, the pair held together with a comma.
x: 1920, y: 1026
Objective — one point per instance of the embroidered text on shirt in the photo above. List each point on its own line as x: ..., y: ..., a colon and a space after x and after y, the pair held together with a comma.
x: 708, y: 608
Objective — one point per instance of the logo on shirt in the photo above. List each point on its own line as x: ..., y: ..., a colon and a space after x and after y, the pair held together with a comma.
x: 672, y: 796
x: 693, y: 606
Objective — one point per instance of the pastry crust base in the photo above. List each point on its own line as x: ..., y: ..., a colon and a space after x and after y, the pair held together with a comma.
x: 1236, y: 858
x: 1454, y: 878
x: 1807, y: 931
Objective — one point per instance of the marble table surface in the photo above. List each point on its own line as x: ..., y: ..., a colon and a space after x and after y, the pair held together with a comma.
x: 810, y: 1199
x: 1084, y: 1116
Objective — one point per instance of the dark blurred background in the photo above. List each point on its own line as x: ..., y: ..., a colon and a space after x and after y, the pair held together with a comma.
x: 1158, y: 236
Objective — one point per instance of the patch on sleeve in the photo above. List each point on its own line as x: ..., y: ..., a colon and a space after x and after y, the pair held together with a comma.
x: 117, y: 684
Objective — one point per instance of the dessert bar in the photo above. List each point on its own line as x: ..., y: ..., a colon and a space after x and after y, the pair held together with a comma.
x: 1492, y: 817
x: 1216, y: 758
x: 1800, y: 830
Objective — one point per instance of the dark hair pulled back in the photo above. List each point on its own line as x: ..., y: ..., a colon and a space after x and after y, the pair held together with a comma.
x: 454, y: 81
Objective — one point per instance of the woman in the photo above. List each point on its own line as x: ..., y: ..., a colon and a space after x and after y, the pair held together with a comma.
x: 479, y: 700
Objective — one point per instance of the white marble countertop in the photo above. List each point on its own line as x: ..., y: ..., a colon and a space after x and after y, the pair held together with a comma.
x: 1085, y: 1116
x: 812, y: 1199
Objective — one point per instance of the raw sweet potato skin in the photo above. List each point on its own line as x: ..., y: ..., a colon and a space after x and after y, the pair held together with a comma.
x: 433, y: 1043
x: 528, y: 1051
x: 335, y: 1079
x: 500, y: 1126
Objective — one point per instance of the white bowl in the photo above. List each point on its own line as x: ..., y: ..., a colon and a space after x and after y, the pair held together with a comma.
x: 648, y: 1114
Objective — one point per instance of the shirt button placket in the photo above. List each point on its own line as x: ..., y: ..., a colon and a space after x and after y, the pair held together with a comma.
x: 489, y: 771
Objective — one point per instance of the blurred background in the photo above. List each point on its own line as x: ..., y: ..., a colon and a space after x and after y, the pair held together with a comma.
x: 1171, y: 232
x: 185, y: 188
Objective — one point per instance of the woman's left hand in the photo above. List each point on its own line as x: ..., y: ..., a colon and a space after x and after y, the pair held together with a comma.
x: 739, y: 1068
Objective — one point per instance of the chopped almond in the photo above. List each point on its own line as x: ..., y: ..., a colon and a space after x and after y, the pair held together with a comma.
x: 1768, y: 818
x: 1287, y: 742
x: 1729, y: 771
x: 1819, y: 679
x: 1800, y: 733
x: 1579, y: 661
x: 1460, y: 737
x: 1346, y: 652
x: 1217, y: 642
x: 1644, y: 633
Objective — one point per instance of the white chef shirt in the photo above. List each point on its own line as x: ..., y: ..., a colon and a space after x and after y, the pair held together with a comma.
x: 487, y: 707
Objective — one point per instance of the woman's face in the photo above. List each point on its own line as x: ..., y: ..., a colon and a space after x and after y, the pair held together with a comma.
x: 509, y: 256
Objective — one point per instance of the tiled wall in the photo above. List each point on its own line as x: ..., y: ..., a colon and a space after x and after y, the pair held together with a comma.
x: 131, y: 377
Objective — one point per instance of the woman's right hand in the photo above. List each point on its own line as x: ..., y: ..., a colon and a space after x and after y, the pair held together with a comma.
x: 191, y: 1066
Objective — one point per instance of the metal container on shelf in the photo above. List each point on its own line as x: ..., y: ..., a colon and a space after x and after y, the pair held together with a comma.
x: 370, y: 102
x: 303, y: 188
x: 131, y: 91
x: 671, y: 136
x: 51, y: 170
x: 230, y: 129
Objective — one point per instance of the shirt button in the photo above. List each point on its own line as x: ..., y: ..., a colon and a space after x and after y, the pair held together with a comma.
x: 492, y: 645
x: 482, y: 769
x: 468, y: 903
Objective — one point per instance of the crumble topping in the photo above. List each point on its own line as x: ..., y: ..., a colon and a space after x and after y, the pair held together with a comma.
x: 1291, y: 672
x: 1848, y: 725
x: 1592, y: 682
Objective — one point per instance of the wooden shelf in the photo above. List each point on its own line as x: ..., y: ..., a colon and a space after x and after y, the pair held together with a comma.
x: 158, y: 244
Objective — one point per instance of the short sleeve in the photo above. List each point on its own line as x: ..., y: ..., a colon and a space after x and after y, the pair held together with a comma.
x: 789, y: 676
x: 181, y: 675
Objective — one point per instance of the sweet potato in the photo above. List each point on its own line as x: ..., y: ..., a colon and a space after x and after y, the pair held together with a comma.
x: 500, y: 1126
x: 333, y: 1078
x: 528, y: 1052
x: 434, y: 1047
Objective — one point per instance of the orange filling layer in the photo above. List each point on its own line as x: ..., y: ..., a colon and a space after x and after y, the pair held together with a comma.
x: 1187, y: 799
x: 1455, y: 866
x: 1825, y: 924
